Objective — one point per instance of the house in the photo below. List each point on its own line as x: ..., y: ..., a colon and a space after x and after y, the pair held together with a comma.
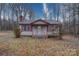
x: 39, y: 28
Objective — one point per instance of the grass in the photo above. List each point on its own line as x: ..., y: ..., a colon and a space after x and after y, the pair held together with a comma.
x: 26, y: 46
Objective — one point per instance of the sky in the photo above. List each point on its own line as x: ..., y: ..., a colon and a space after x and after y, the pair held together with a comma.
x: 40, y: 9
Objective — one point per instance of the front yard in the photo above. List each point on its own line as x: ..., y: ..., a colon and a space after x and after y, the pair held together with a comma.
x: 31, y: 46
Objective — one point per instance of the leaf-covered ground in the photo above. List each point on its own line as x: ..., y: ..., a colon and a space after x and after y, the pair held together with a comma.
x: 30, y: 46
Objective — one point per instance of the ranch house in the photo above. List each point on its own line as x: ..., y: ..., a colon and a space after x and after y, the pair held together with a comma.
x: 39, y: 28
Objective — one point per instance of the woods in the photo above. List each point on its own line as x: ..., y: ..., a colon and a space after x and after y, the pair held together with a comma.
x: 10, y: 13
x: 67, y: 14
x: 40, y: 29
x: 70, y: 16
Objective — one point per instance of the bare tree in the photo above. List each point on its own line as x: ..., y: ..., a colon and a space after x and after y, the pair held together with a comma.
x: 1, y: 8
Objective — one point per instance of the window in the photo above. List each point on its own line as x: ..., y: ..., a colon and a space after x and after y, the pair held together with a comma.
x: 25, y: 27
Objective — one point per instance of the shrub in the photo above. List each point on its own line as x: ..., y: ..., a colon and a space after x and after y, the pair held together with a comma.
x: 17, y: 32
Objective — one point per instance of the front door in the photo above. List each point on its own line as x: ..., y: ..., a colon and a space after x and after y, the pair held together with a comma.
x: 39, y: 31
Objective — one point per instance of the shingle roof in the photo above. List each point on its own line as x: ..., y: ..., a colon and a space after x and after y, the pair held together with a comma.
x: 30, y: 21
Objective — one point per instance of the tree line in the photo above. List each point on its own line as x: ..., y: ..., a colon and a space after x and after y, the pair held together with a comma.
x: 10, y: 12
x: 66, y: 13
x: 70, y: 16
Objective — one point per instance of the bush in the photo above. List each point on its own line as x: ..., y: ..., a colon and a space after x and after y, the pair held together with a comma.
x: 17, y: 32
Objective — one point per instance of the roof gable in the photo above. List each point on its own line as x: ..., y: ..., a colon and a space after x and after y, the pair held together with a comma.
x: 40, y: 22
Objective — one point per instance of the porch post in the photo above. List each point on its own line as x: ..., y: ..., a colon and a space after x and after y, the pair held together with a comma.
x: 60, y: 31
x: 46, y: 34
x: 31, y: 29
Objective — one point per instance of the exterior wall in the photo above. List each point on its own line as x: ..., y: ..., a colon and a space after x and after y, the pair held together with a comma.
x: 50, y: 28
x: 53, y: 30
